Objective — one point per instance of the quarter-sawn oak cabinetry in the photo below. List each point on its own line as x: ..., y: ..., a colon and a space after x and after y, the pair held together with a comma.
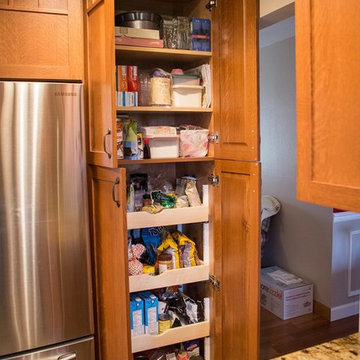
x: 41, y: 39
x: 328, y: 91
x: 232, y: 164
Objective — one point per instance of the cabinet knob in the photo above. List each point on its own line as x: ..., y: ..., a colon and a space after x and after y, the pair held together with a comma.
x: 210, y: 5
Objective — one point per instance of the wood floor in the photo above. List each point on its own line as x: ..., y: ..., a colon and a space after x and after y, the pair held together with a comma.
x: 279, y: 337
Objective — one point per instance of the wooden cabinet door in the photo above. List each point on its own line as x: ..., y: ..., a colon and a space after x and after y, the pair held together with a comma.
x: 100, y: 82
x: 237, y: 260
x: 41, y: 39
x: 328, y: 92
x: 235, y: 60
x: 107, y: 189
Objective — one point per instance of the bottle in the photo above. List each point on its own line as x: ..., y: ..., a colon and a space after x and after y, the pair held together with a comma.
x: 146, y: 149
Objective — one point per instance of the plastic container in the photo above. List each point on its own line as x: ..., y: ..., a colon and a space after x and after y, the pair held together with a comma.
x: 183, y: 79
x: 186, y: 95
x: 159, y: 130
x: 163, y: 146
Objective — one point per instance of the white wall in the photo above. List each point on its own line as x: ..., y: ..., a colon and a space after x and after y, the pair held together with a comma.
x: 269, y: 6
x: 301, y: 234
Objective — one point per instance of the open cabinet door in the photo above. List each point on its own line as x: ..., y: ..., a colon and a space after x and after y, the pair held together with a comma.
x: 328, y: 92
x: 237, y: 260
x: 235, y: 61
x: 100, y: 82
x: 110, y: 262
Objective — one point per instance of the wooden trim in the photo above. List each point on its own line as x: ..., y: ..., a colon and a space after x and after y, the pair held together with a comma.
x: 32, y: 10
x: 321, y: 310
x: 93, y: 5
x: 159, y: 109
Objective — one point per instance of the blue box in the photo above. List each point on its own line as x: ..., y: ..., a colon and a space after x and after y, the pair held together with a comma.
x: 151, y: 314
x: 201, y: 34
x: 136, y: 315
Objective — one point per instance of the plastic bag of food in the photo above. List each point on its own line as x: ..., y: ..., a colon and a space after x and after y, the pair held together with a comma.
x: 188, y: 251
x: 192, y: 193
x: 169, y: 246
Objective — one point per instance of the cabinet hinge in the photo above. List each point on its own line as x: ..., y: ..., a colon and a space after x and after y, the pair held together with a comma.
x: 214, y: 180
x: 214, y: 282
x: 211, y: 4
x: 213, y: 137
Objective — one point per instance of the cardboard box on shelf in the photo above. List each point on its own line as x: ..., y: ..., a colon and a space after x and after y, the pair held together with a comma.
x: 285, y: 294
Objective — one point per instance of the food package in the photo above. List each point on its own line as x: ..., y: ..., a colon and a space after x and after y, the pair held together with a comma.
x: 130, y: 140
x: 188, y: 253
x: 192, y: 193
x: 194, y: 141
x: 169, y: 246
x: 135, y: 266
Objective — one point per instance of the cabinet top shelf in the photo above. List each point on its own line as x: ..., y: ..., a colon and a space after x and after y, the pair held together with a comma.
x: 183, y: 56
x: 165, y: 160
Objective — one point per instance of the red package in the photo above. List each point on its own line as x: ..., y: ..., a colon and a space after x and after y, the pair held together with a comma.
x: 132, y: 78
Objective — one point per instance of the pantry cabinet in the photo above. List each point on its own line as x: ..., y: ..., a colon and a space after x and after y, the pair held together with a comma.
x: 327, y: 51
x: 41, y: 39
x: 225, y: 226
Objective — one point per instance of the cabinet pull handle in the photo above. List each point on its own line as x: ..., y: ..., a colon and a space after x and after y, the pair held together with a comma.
x: 67, y: 356
x: 117, y: 182
x: 104, y: 143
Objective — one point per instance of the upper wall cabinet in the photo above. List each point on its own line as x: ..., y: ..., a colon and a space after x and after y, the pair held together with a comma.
x: 328, y: 92
x: 41, y: 39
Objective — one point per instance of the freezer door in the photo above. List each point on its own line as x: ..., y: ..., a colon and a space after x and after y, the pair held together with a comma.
x: 76, y: 350
x: 45, y: 287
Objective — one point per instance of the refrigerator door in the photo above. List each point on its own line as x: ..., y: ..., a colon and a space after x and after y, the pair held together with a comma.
x: 76, y: 350
x: 45, y: 285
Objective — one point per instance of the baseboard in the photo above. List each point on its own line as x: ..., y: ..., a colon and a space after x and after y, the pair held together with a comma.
x: 321, y: 310
x: 344, y: 311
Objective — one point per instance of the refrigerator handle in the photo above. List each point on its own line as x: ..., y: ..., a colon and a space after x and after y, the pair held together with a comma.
x: 67, y: 356
x: 117, y: 182
x: 108, y: 132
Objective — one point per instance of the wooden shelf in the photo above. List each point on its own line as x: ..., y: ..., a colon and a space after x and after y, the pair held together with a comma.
x: 122, y: 162
x: 171, y: 336
x: 166, y: 217
x: 162, y: 109
x: 169, y: 278
x: 135, y: 53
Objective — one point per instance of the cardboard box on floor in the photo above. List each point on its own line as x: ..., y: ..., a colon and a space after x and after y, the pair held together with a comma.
x: 285, y: 294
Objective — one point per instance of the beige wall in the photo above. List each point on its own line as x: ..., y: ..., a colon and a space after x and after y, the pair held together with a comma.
x: 269, y: 6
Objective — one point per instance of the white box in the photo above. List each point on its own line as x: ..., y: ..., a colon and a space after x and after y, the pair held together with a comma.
x: 163, y: 146
x: 186, y: 95
x: 285, y: 294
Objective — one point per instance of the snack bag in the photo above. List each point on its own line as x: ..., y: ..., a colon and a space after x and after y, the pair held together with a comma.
x: 188, y: 251
x: 169, y: 246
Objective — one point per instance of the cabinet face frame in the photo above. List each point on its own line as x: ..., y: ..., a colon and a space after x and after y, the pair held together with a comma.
x: 327, y: 47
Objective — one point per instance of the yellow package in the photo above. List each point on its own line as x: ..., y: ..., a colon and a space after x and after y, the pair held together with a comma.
x: 169, y: 246
x: 187, y: 249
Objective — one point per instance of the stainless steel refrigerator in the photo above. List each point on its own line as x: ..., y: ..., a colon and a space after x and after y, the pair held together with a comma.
x: 45, y: 281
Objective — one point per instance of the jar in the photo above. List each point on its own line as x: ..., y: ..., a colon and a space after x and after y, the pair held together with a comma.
x: 160, y: 88
x: 165, y: 262
x: 164, y: 323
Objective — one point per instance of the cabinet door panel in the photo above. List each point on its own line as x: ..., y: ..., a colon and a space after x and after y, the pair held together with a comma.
x: 41, y: 40
x: 328, y: 91
x: 235, y: 79
x: 110, y: 262
x: 237, y: 260
x: 100, y: 76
